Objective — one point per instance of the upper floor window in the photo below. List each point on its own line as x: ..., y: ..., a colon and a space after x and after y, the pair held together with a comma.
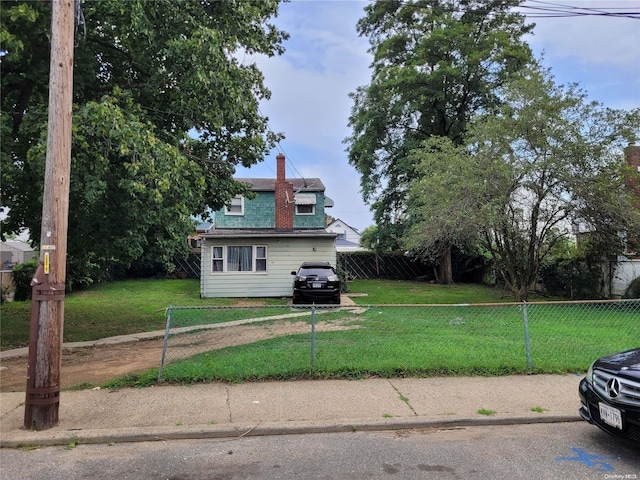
x: 305, y: 204
x: 305, y: 209
x: 236, y: 207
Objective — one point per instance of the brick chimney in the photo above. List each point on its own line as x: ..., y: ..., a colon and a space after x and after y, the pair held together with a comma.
x: 284, y: 197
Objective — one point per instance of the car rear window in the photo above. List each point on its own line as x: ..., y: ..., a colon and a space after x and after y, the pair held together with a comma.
x: 317, y: 271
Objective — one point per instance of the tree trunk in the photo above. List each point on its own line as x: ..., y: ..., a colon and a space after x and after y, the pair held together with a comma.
x: 446, y: 268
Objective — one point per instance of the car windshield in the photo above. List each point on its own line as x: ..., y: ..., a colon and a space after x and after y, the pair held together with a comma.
x: 315, y: 272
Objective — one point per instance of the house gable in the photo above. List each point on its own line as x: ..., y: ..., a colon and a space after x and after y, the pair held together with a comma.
x: 279, y: 203
x: 347, y: 238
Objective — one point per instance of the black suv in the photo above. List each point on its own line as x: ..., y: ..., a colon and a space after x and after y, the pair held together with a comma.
x: 610, y: 394
x: 316, y: 282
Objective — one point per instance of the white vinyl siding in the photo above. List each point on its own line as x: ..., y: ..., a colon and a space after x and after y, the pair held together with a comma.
x: 282, y: 256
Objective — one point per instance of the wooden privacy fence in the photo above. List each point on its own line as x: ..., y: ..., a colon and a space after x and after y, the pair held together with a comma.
x: 354, y: 265
x: 188, y: 267
x: 373, y: 265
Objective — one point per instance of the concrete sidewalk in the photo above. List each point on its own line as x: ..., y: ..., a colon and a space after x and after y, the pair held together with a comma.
x: 270, y: 408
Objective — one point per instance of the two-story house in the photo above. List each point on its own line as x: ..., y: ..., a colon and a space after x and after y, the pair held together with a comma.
x: 256, y: 243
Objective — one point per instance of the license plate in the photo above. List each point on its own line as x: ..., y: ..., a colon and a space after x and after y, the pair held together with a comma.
x: 316, y: 285
x: 610, y: 415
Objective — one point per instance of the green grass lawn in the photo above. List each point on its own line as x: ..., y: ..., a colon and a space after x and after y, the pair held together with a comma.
x: 393, y: 341
x: 133, y: 306
x: 407, y: 292
x: 115, y: 308
x: 388, y: 341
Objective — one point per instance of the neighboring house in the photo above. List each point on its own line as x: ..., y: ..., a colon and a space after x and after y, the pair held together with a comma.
x: 255, y: 244
x: 619, y: 274
x: 195, y: 240
x: 632, y: 184
x: 347, y: 238
x: 13, y: 252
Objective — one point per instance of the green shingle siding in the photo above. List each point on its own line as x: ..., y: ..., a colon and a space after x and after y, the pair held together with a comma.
x: 260, y: 213
x: 311, y: 221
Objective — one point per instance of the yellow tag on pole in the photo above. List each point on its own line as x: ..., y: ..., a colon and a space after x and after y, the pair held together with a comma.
x: 46, y: 262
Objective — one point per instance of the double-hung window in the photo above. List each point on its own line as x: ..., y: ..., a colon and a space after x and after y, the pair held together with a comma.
x: 239, y: 258
x: 236, y: 207
x: 217, y: 259
x: 261, y: 259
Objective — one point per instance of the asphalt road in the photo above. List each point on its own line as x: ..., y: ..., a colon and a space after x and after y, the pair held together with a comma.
x: 540, y: 451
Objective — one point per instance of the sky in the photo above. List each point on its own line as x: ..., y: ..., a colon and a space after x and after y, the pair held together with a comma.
x: 325, y: 60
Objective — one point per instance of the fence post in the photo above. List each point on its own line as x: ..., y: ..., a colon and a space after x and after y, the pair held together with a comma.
x: 164, y: 344
x: 313, y: 337
x: 525, y: 320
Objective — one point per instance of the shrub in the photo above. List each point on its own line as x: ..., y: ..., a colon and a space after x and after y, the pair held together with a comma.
x: 633, y: 290
x: 342, y: 274
x: 22, y: 275
x: 573, y: 278
x: 5, y: 294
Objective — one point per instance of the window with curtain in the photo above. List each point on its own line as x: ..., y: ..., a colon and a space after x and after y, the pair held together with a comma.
x: 239, y: 258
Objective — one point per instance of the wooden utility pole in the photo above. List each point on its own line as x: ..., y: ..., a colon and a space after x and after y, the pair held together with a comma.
x: 47, y: 304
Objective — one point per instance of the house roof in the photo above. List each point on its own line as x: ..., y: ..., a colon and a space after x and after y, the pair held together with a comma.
x: 269, y: 184
x: 341, y: 242
x: 267, y: 232
x: 344, y: 223
x: 203, y: 227
x: 16, y: 245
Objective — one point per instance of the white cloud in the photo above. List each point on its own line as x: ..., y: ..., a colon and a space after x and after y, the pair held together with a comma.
x: 309, y: 108
x: 601, y: 53
x: 326, y: 60
x: 310, y: 83
x: 596, y: 41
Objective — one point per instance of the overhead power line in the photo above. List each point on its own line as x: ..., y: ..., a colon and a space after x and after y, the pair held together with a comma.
x: 281, y: 150
x: 542, y: 9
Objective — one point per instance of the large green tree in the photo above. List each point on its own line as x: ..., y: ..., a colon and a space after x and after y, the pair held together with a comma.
x: 165, y: 107
x: 546, y: 165
x: 436, y: 63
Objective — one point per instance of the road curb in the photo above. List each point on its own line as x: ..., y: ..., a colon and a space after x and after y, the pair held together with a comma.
x: 28, y: 439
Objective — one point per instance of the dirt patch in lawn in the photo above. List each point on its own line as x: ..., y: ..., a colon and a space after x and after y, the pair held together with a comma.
x: 99, y: 364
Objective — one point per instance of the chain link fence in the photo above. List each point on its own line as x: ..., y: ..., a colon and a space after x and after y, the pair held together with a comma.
x: 277, y: 342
